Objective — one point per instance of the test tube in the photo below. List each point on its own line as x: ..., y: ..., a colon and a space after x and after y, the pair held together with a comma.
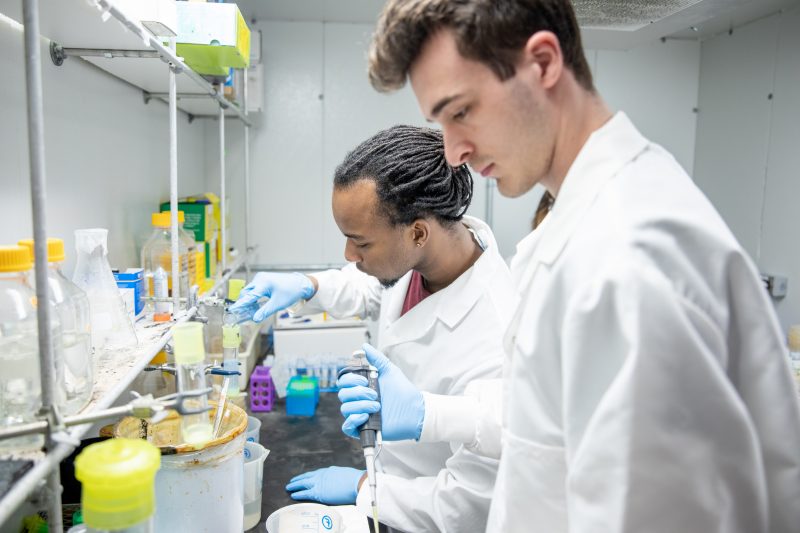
x: 190, y: 353
x: 231, y: 339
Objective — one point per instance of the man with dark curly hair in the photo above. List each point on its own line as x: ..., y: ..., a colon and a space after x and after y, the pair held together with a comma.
x: 434, y: 279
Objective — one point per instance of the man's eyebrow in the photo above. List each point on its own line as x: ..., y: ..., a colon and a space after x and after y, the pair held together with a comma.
x: 441, y: 103
x: 352, y: 236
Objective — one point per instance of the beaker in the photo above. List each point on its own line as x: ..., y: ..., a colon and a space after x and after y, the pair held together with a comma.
x: 111, y: 325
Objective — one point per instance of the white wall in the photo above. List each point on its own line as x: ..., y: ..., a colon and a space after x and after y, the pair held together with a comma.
x: 107, y: 157
x: 748, y: 142
x: 319, y: 105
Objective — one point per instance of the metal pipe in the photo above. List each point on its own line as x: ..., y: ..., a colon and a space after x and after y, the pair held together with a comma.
x: 222, y: 202
x: 33, y: 81
x: 173, y: 185
x: 107, y: 53
x: 302, y: 268
x: 246, y: 177
x: 20, y: 490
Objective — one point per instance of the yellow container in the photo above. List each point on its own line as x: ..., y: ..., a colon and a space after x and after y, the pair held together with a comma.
x: 118, y: 478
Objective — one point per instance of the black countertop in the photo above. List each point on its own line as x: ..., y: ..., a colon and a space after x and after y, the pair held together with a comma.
x: 299, y: 444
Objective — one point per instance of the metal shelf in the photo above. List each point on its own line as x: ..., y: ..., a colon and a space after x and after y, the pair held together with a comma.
x: 94, y: 25
x: 77, y: 24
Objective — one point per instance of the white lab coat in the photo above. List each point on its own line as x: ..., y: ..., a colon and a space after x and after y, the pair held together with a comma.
x: 648, y: 388
x: 448, y: 340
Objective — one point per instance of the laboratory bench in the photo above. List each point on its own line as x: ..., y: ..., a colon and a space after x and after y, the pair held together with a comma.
x: 299, y: 444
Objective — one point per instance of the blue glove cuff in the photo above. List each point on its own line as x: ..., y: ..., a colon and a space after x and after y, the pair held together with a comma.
x: 307, y: 286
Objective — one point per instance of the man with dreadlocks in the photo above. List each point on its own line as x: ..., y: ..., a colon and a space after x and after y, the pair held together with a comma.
x: 442, y: 293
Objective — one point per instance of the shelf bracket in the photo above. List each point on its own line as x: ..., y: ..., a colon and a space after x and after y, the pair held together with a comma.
x: 57, y: 55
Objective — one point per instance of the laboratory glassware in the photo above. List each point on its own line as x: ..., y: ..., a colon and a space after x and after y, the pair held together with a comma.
x: 111, y: 325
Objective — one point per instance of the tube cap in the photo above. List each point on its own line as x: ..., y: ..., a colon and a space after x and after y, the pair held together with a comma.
x: 118, y: 478
x: 187, y: 340
x: 15, y: 258
x: 231, y: 336
x: 235, y: 287
x: 55, y: 249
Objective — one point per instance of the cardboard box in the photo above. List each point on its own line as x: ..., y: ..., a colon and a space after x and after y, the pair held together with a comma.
x: 212, y: 37
x: 199, y: 218
x: 132, y: 281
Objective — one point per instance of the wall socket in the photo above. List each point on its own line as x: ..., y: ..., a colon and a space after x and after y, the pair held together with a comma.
x: 777, y: 286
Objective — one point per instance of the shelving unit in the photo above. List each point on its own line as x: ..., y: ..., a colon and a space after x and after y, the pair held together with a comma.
x: 101, y: 33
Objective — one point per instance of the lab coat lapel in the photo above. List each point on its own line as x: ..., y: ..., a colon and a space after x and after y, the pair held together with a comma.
x: 449, y: 305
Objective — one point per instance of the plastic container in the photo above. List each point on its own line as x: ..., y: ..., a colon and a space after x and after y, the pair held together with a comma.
x: 190, y: 355
x: 118, y: 479
x: 304, y: 517
x: 111, y: 325
x: 262, y: 390
x: 157, y: 253
x: 198, y: 489
x: 253, y: 433
x: 302, y: 395
x: 254, y: 457
x: 72, y: 306
x: 20, y: 382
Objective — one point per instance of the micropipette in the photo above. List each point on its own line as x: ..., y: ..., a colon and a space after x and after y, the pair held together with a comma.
x: 370, y: 431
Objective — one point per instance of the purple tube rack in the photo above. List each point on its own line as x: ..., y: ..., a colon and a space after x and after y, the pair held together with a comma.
x: 262, y: 390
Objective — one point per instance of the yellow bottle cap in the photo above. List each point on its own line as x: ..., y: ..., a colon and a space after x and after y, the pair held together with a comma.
x: 164, y: 219
x: 231, y: 336
x: 15, y: 258
x: 159, y: 359
x: 118, y: 482
x: 187, y: 340
x: 235, y: 287
x: 55, y: 249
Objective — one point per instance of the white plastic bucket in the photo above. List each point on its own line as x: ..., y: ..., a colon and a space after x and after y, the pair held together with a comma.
x: 253, y: 429
x: 304, y: 517
x: 196, y: 490
x: 254, y: 457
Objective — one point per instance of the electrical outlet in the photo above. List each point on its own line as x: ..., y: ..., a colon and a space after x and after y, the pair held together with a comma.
x: 777, y: 286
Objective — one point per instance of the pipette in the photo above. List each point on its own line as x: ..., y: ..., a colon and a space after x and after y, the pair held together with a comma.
x: 370, y: 431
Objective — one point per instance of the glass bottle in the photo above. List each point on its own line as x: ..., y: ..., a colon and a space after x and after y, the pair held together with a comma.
x: 118, y: 485
x: 187, y: 340
x: 20, y: 381
x: 157, y: 253
x: 72, y: 306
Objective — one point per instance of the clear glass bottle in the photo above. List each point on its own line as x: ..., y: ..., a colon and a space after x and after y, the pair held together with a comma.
x: 118, y: 485
x: 111, y: 325
x: 190, y: 354
x: 187, y: 238
x: 20, y: 383
x: 231, y: 339
x: 72, y: 306
x: 157, y: 253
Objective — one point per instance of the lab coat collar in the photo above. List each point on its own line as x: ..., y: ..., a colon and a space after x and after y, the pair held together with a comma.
x: 449, y: 305
x: 605, y: 153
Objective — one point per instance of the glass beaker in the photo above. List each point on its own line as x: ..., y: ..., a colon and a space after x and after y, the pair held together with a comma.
x: 111, y: 325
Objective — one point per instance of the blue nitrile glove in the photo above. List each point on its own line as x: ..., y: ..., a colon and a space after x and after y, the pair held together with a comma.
x: 337, y: 485
x: 282, y: 289
x: 402, y: 406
